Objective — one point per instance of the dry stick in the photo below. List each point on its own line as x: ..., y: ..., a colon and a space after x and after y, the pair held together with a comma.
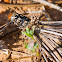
x: 4, y: 26
x: 58, y: 2
x: 20, y: 53
x: 47, y: 48
x: 39, y: 43
x: 55, y: 39
x: 59, y: 49
x: 59, y: 29
x: 46, y: 14
x: 51, y: 32
x: 45, y: 58
x: 15, y: 10
x: 22, y: 5
x: 42, y: 60
x: 55, y: 36
x: 27, y: 55
x: 50, y: 52
x: 49, y: 4
x: 53, y: 27
x: 9, y: 33
x: 37, y: 29
x: 53, y: 44
x: 54, y: 30
x: 40, y: 11
x: 42, y: 48
x: 18, y: 58
x: 3, y: 9
x: 50, y: 22
x: 21, y: 9
x: 45, y: 40
x: 48, y: 55
x: 23, y: 53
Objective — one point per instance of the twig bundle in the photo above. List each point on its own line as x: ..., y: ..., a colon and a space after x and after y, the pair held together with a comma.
x: 50, y: 42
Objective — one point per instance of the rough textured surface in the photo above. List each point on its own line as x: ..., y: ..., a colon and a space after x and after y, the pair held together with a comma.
x: 4, y: 53
x: 15, y: 42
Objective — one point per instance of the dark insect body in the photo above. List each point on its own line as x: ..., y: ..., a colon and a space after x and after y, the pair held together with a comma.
x: 19, y: 19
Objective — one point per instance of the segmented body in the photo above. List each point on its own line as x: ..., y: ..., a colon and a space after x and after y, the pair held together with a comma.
x: 19, y: 19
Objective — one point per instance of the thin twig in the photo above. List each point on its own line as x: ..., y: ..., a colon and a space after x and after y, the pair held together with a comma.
x: 50, y: 52
x: 46, y: 14
x: 54, y: 38
x: 45, y: 58
x: 20, y: 9
x: 53, y: 44
x: 55, y: 30
x: 49, y: 4
x: 4, y: 26
x: 58, y: 2
x: 51, y: 32
x: 42, y: 48
x: 50, y: 22
x: 36, y: 33
x: 40, y: 11
x: 22, y: 5
x: 46, y: 41
x: 23, y: 53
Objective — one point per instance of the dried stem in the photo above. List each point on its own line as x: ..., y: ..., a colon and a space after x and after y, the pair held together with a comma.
x: 22, y: 5
x: 50, y: 22
x: 49, y: 4
x: 51, y: 32
x: 42, y: 48
x: 55, y: 30
x: 46, y: 41
x: 48, y: 55
x: 45, y: 58
x: 53, y: 44
x: 40, y: 11
x: 58, y: 2
x: 52, y: 37
x: 50, y: 52
x: 24, y: 53
x: 18, y: 58
x: 46, y: 14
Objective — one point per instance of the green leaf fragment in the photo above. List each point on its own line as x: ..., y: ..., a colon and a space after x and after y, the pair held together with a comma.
x: 27, y: 34
x: 27, y: 30
x: 24, y: 33
x: 33, y: 50
x: 33, y: 29
x: 35, y: 45
x: 31, y: 32
x: 25, y: 45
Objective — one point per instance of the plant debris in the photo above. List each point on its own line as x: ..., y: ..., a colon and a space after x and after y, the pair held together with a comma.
x: 30, y: 31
